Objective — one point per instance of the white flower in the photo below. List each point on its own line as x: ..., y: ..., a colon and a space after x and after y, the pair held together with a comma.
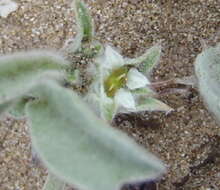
x: 115, y: 78
x: 134, y: 79
x: 121, y: 87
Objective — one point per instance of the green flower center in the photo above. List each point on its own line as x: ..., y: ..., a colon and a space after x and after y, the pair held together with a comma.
x: 116, y: 80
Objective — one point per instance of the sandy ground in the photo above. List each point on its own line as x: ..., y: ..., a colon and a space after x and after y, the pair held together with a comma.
x: 187, y: 140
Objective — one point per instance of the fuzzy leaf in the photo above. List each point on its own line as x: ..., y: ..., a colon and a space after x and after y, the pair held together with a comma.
x: 81, y: 149
x: 20, y: 71
x: 152, y: 104
x: 143, y: 92
x: 84, y: 21
x: 207, y: 70
x: 73, y: 45
x: 73, y: 77
x: 53, y: 183
x: 109, y: 111
x: 4, y: 107
x: 147, y: 61
x: 18, y: 108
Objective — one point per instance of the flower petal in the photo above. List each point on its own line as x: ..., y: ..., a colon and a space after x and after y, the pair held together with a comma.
x: 135, y: 79
x: 125, y: 99
x: 112, y: 58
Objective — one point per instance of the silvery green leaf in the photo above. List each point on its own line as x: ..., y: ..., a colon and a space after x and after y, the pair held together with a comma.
x: 98, y: 48
x: 84, y: 21
x: 136, y: 80
x: 146, y: 91
x: 53, y: 183
x: 81, y: 149
x: 18, y: 108
x: 152, y: 104
x: 207, y: 69
x: 146, y: 62
x: 5, y: 106
x: 73, y: 77
x: 20, y: 71
x: 72, y: 45
x: 93, y: 49
x: 93, y: 101
x: 109, y: 111
x: 107, y: 105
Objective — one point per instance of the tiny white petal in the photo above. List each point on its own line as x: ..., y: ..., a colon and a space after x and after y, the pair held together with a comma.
x: 125, y: 99
x: 112, y: 58
x: 6, y: 7
x: 135, y: 79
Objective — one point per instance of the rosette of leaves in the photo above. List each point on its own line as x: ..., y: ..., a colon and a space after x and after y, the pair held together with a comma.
x: 122, y: 85
x: 207, y: 69
x: 75, y: 146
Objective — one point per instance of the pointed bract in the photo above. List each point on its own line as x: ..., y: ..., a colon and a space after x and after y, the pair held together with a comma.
x: 84, y: 21
x: 112, y: 59
x: 146, y: 62
x: 152, y: 104
x: 145, y: 91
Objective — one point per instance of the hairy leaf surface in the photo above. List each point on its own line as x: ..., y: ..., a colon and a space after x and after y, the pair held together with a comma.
x: 81, y: 149
x: 20, y: 71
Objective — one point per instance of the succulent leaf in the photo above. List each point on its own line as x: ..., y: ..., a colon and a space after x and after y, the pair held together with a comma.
x: 81, y: 149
